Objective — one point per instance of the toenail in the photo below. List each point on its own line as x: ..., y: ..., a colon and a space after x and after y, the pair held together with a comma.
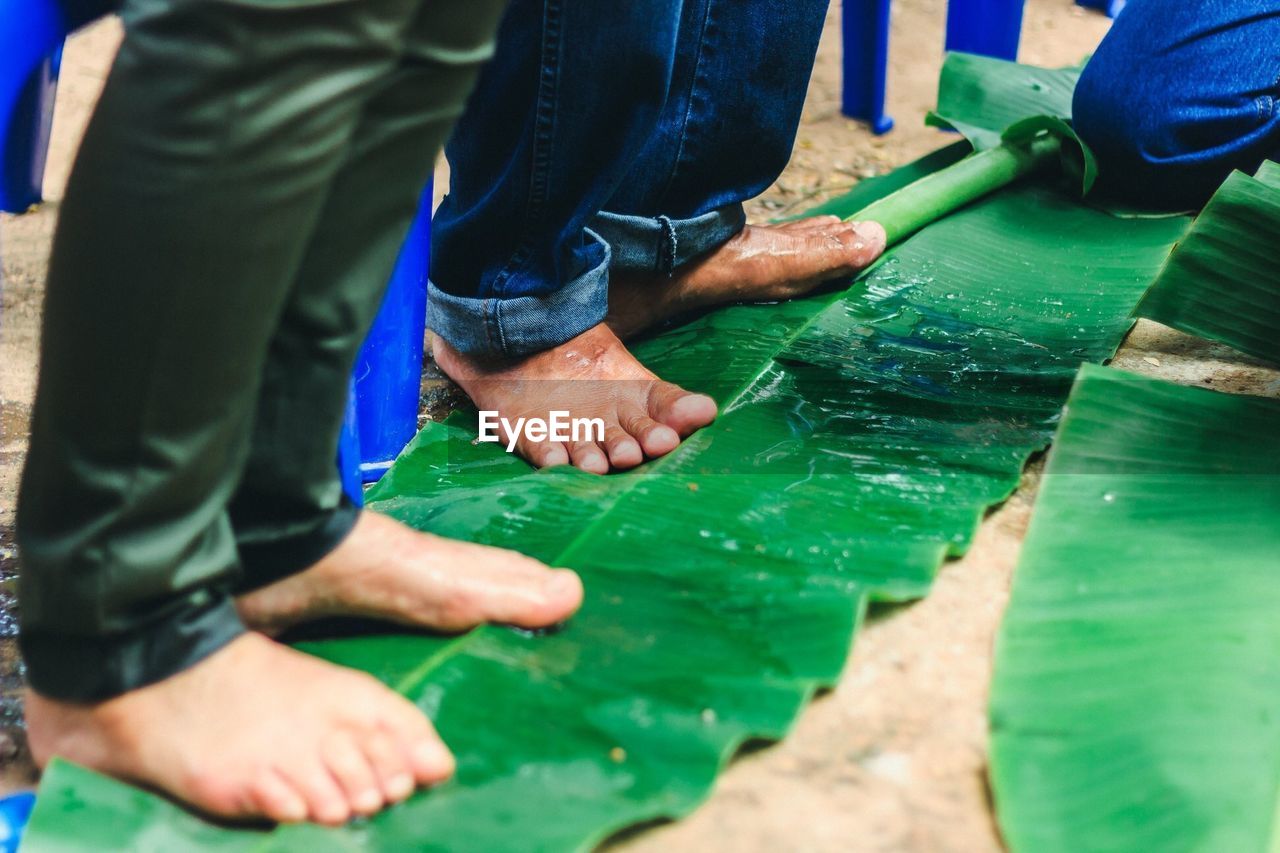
x: 562, y: 581
x: 333, y: 814
x: 293, y: 810
x: 367, y: 801
x: 399, y: 787
x: 433, y: 756
x: 872, y: 232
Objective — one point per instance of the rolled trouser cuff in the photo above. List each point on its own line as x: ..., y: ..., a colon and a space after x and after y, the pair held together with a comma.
x: 519, y: 326
x: 662, y: 244
x: 92, y: 668
x: 263, y: 563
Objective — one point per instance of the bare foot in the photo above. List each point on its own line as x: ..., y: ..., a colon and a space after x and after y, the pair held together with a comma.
x: 385, y: 570
x: 254, y: 731
x: 763, y: 263
x: 590, y: 376
x: 594, y: 376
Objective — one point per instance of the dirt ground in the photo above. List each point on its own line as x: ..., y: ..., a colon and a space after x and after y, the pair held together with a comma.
x: 894, y: 757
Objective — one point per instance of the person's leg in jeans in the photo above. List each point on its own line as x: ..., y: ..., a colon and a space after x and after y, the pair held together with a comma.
x: 183, y: 269
x: 599, y: 172
x: 1179, y: 94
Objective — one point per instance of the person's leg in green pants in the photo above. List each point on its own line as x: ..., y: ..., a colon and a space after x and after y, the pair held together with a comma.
x: 233, y: 215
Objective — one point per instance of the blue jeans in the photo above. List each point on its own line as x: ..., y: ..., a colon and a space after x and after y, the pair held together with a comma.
x: 621, y: 135
x: 1179, y: 94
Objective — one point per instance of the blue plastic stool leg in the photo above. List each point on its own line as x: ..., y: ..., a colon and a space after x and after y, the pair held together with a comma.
x: 988, y: 27
x: 349, y: 451
x: 388, y: 373
x: 1110, y: 7
x: 15, y: 814
x: 864, y: 28
x: 30, y: 32
x: 26, y: 145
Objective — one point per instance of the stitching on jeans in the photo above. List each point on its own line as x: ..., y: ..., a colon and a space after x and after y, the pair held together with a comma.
x: 488, y: 311
x: 497, y: 328
x: 670, y: 243
x: 1271, y: 101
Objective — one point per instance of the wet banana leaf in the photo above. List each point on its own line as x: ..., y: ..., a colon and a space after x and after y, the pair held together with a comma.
x: 863, y: 434
x: 1136, y: 699
x: 1223, y: 280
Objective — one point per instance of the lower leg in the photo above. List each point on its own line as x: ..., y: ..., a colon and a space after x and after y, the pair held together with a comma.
x: 681, y: 179
x: 676, y: 245
x: 306, y: 552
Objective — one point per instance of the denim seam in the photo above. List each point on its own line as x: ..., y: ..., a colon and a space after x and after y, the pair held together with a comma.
x: 670, y: 246
x: 497, y: 326
x: 489, y: 311
x: 543, y: 142
x: 1268, y: 111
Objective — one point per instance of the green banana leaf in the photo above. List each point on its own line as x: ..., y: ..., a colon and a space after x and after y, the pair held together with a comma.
x: 863, y: 434
x: 1136, y: 699
x: 1222, y: 282
x: 980, y: 96
x: 994, y: 102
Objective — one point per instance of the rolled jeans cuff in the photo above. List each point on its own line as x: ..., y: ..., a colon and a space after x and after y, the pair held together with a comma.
x: 661, y: 244
x: 92, y: 668
x: 519, y: 326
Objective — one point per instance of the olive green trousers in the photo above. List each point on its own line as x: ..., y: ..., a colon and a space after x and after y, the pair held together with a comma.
x: 231, y: 221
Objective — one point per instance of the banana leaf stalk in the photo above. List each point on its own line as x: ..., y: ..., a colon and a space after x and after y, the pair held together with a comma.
x: 909, y: 209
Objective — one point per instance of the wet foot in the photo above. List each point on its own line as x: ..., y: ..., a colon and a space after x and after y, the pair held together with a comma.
x: 385, y: 570
x: 763, y: 263
x: 592, y: 377
x: 254, y: 731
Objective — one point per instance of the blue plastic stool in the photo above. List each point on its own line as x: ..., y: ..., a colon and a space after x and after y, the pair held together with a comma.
x: 349, y: 449
x: 989, y: 27
x: 15, y: 814
x: 866, y: 61
x: 31, y: 32
x: 388, y: 372
x: 1110, y: 7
